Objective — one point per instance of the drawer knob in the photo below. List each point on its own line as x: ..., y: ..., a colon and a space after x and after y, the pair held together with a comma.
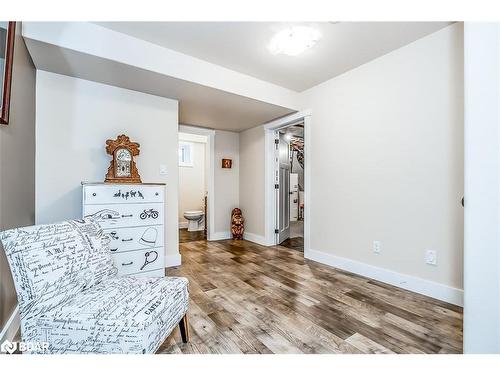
x: 127, y: 264
x: 94, y: 194
x: 157, y: 194
x: 113, y: 249
x: 127, y: 239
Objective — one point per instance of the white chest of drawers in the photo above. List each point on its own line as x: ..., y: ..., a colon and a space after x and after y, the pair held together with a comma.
x: 133, y: 216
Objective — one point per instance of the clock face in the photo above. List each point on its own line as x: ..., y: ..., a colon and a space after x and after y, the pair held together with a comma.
x: 123, y: 162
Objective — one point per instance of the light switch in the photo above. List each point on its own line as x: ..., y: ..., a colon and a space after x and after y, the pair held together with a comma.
x: 431, y: 257
x: 163, y: 169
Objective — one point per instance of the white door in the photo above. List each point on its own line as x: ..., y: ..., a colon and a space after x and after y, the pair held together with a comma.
x: 283, y: 189
x: 294, y: 196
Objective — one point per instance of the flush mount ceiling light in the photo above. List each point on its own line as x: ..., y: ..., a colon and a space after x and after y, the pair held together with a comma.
x: 294, y: 40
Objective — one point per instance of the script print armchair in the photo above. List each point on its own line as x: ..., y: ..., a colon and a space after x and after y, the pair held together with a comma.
x: 70, y: 297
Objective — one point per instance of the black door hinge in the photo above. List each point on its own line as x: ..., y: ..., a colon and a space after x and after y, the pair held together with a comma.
x: 276, y: 186
x: 276, y: 141
x: 276, y: 231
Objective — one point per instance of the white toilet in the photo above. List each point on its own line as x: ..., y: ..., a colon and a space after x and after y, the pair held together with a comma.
x: 194, y: 219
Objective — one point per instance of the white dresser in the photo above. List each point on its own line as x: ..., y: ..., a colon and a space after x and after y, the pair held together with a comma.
x: 134, y: 217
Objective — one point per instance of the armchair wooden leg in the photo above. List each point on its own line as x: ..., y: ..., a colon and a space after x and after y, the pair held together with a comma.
x: 184, y: 328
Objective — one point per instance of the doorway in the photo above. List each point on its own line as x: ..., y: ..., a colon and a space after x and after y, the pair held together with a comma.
x: 287, y: 181
x: 290, y: 186
x: 196, y: 183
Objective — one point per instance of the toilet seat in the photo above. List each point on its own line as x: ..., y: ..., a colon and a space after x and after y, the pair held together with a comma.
x: 193, y: 212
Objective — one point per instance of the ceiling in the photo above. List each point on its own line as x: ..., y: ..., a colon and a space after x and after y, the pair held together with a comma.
x: 242, y: 46
x: 198, y: 105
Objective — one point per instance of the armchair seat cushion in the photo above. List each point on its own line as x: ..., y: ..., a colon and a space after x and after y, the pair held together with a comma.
x: 118, y: 315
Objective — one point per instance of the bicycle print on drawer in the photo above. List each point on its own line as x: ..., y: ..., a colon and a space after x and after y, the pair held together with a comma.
x: 125, y: 215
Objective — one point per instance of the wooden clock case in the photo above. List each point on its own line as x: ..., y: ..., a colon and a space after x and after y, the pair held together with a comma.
x: 112, y: 146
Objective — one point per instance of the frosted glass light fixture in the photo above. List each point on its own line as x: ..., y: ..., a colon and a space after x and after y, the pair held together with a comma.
x: 294, y: 40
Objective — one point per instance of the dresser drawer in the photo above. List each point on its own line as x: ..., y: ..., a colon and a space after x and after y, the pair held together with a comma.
x: 134, y: 238
x: 119, y: 194
x: 132, y: 262
x: 126, y: 215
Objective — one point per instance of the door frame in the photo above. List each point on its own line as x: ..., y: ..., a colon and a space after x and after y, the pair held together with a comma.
x: 281, y: 186
x: 209, y: 171
x: 270, y: 172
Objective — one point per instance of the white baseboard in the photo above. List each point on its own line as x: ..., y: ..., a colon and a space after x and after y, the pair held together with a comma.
x: 429, y: 288
x: 173, y: 260
x: 11, y: 326
x: 220, y: 236
x: 261, y: 240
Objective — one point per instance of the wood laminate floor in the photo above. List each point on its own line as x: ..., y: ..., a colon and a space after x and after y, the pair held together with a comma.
x: 185, y: 236
x: 246, y: 298
x: 295, y: 243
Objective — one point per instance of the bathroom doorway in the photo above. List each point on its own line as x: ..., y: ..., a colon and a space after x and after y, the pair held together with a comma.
x: 290, y: 195
x: 287, y: 182
x: 195, y: 183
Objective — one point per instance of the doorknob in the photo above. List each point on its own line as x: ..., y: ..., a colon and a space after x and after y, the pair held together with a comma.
x: 463, y: 202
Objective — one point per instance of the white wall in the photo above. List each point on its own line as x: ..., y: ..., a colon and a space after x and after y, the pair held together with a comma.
x: 482, y: 201
x: 74, y: 117
x: 252, y: 177
x: 387, y: 164
x: 192, y: 183
x: 226, y: 181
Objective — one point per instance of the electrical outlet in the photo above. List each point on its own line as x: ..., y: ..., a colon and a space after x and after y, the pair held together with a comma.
x: 376, y: 247
x: 431, y: 257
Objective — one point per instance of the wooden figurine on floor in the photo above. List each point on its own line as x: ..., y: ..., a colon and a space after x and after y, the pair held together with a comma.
x: 237, y: 224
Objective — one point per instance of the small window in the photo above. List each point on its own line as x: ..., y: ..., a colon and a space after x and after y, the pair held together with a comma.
x: 185, y: 154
